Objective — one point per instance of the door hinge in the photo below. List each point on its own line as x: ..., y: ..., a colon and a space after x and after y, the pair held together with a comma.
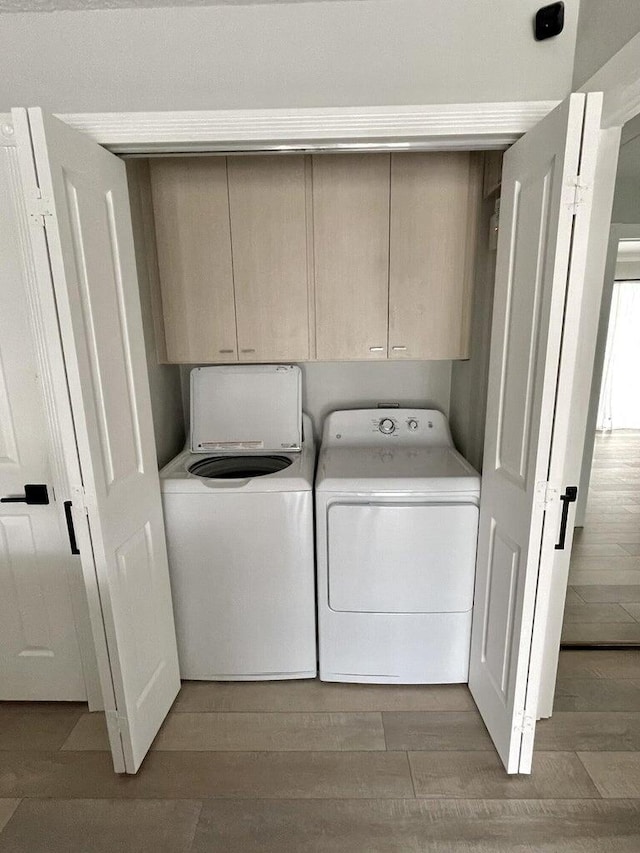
x: 118, y: 721
x: 546, y: 494
x: 524, y: 724
x: 80, y: 498
x: 39, y: 210
x: 113, y: 720
x: 579, y: 191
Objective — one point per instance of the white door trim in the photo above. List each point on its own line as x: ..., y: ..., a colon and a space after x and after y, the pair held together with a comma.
x: 431, y: 126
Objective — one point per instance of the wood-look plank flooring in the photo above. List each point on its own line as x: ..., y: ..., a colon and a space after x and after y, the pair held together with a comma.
x: 603, y: 600
x: 303, y: 766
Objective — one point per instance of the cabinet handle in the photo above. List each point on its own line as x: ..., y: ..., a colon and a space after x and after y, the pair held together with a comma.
x: 247, y: 350
x: 398, y: 349
x: 226, y: 351
x: 376, y: 349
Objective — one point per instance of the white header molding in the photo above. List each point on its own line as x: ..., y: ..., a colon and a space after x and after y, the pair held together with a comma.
x: 444, y: 126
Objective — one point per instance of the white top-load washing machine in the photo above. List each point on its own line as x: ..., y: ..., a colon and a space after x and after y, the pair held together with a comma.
x: 396, y: 527
x: 238, y: 507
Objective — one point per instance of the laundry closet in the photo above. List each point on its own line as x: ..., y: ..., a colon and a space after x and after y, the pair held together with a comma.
x: 361, y: 269
x: 367, y: 276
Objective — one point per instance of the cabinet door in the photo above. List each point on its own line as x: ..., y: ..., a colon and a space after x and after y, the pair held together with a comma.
x: 267, y: 198
x: 191, y: 210
x: 435, y: 200
x: 351, y: 255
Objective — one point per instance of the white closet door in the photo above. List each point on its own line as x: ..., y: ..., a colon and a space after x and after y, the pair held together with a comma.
x: 519, y: 510
x: 91, y: 264
x: 39, y: 649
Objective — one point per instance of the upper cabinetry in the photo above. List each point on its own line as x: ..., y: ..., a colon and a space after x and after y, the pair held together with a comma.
x: 327, y: 257
x: 351, y: 255
x: 193, y: 236
x: 434, y: 209
x: 267, y: 201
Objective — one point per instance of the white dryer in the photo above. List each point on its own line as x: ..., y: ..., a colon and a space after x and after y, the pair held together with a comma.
x: 397, y: 518
x: 238, y: 506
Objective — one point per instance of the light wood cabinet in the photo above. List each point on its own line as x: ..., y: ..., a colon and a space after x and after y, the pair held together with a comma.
x: 191, y: 212
x: 435, y: 201
x: 267, y: 198
x: 351, y: 255
x: 327, y: 257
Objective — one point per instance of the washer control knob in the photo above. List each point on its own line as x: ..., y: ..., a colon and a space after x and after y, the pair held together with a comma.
x: 386, y: 426
x: 412, y: 424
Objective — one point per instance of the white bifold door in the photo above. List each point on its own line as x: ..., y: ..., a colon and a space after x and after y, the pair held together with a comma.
x: 76, y: 195
x: 545, y: 209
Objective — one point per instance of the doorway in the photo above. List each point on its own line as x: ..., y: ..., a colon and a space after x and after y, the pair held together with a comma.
x: 603, y: 596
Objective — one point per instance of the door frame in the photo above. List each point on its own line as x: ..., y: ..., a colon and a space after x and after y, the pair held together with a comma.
x: 481, y: 126
x: 475, y: 126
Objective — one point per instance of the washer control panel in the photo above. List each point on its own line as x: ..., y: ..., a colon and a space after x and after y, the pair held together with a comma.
x: 400, y: 425
x: 371, y: 427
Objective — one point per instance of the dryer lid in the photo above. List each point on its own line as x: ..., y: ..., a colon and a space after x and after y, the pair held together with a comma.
x: 246, y: 409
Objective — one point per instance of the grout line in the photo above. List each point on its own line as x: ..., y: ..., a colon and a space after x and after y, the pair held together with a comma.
x: 413, y: 781
x: 18, y: 802
x: 73, y: 728
x: 196, y: 824
x: 384, y: 730
x: 586, y: 769
x: 625, y: 607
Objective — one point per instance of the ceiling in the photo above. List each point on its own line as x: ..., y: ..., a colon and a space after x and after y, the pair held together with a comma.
x: 83, y: 5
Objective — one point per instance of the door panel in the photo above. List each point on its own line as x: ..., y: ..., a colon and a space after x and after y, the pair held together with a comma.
x: 351, y: 255
x: 92, y: 266
x: 531, y: 201
x: 402, y: 558
x: 39, y: 652
x: 267, y: 198
x: 535, y: 249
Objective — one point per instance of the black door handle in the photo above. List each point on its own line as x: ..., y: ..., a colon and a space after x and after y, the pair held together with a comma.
x: 570, y: 495
x: 70, y: 528
x: 35, y: 494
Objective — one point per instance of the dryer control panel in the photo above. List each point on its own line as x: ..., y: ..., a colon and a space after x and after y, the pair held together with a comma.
x: 376, y: 427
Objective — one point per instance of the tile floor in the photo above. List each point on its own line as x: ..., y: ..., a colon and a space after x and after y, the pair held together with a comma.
x: 302, y: 766
x: 603, y: 601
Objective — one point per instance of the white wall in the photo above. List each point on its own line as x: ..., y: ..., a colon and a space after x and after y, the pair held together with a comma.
x: 362, y: 52
x: 164, y: 379
x: 470, y: 378
x: 327, y: 386
x: 604, y: 26
x: 626, y: 201
x: 358, y: 385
